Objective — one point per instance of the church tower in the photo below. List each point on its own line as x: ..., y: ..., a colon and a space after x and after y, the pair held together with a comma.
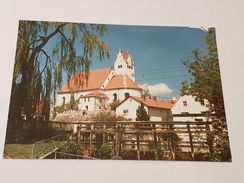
x: 124, y: 65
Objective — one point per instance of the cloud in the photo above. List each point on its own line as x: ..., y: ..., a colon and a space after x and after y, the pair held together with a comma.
x: 159, y: 89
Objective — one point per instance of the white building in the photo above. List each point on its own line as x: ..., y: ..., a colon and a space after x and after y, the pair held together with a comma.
x: 103, y: 86
x: 187, y: 108
x: 156, y: 109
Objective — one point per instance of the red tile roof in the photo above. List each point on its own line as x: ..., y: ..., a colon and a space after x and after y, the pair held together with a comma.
x: 78, y: 82
x: 121, y: 82
x: 154, y: 103
x: 95, y: 94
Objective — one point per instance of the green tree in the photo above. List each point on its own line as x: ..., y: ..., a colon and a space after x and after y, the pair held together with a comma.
x: 46, y: 51
x: 141, y: 114
x: 206, y: 85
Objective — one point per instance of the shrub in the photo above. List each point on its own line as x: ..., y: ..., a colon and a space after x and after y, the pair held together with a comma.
x: 116, y: 158
x: 105, y: 151
x: 106, y: 116
x: 70, y: 147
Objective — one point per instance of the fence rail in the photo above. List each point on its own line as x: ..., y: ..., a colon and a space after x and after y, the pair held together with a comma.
x: 122, y: 136
x: 43, y: 148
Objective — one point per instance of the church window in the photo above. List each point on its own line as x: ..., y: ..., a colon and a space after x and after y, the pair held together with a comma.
x: 63, y: 100
x: 87, y: 107
x: 184, y: 103
x: 119, y: 66
x: 115, y: 96
x: 127, y: 95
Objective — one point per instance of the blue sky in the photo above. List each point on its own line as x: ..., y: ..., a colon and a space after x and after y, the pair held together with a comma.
x: 157, y: 52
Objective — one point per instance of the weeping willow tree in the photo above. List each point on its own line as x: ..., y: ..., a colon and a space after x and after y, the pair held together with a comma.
x: 46, y: 52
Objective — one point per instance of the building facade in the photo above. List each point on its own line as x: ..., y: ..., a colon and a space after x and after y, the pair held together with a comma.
x: 98, y: 88
x: 157, y: 110
x: 187, y: 108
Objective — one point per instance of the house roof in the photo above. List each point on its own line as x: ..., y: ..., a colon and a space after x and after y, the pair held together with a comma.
x: 152, y: 103
x: 78, y: 82
x: 95, y: 94
x: 121, y: 82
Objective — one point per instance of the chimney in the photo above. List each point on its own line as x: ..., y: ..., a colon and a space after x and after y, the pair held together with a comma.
x: 154, y: 98
x: 173, y: 100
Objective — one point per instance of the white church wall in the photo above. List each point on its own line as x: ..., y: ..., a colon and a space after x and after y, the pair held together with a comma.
x: 67, y: 97
x: 87, y: 102
x: 60, y: 98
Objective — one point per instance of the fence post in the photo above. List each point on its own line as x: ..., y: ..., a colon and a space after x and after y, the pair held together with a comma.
x: 118, y: 141
x: 191, y: 141
x: 138, y: 145
x: 210, y: 145
x: 104, y: 133
x: 90, y: 151
x: 78, y: 136
x: 172, y: 140
x: 155, y: 141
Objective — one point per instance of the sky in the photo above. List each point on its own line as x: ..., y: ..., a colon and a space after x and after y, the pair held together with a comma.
x: 157, y: 53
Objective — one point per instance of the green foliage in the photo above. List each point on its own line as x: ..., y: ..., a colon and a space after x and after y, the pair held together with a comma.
x: 31, y: 133
x: 206, y: 85
x: 39, y: 69
x: 116, y: 158
x: 141, y: 114
x: 107, y: 116
x: 70, y: 147
x: 106, y: 151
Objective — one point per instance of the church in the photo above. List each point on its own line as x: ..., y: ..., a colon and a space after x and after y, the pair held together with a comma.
x: 107, y: 85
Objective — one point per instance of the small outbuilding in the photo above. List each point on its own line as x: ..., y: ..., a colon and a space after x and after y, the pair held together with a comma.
x: 158, y: 110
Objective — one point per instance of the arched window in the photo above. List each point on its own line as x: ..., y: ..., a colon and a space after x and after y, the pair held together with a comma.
x: 127, y: 95
x: 63, y: 100
x: 115, y: 96
x: 87, y: 107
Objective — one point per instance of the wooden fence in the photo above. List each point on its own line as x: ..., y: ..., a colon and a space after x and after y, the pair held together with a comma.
x: 163, y: 140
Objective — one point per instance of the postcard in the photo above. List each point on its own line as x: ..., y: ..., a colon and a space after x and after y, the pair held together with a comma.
x: 120, y: 92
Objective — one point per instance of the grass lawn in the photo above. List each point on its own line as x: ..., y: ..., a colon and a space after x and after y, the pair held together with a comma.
x: 24, y: 151
x: 18, y: 151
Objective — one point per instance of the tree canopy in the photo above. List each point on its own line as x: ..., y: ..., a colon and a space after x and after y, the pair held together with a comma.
x: 206, y: 85
x: 141, y: 114
x: 45, y: 53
